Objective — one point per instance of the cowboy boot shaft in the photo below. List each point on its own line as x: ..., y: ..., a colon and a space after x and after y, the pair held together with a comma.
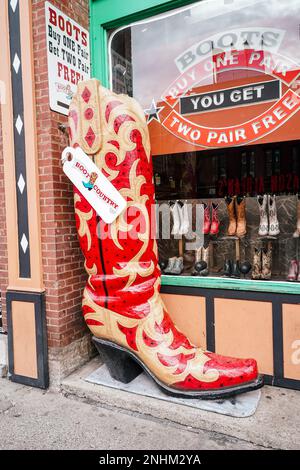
x: 262, y: 202
x: 293, y: 270
x: 215, y: 223
x: 230, y: 203
x: 297, y: 231
x: 206, y: 255
x: 240, y: 208
x: 120, y: 253
x: 227, y: 271
x: 257, y: 264
x: 236, y: 273
x: 266, y: 271
x: 206, y: 226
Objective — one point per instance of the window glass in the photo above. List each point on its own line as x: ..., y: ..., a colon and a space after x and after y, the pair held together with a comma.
x: 220, y: 83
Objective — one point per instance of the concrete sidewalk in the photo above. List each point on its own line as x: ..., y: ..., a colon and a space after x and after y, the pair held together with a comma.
x: 86, y: 416
x: 33, y: 419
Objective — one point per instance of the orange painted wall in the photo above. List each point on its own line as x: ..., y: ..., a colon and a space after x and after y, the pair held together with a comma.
x: 189, y: 315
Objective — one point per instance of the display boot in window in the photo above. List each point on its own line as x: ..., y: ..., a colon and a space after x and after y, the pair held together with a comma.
x: 263, y: 229
x: 266, y: 270
x: 184, y: 219
x: 273, y: 220
x: 215, y: 223
x: 296, y: 234
x: 230, y: 202
x: 206, y: 222
x: 236, y: 273
x: 227, y: 268
x: 293, y: 270
x: 240, y: 209
x: 170, y: 265
x: 176, y: 218
x: 205, y: 259
x: 200, y: 265
x: 122, y: 305
x: 178, y: 266
x: 257, y: 264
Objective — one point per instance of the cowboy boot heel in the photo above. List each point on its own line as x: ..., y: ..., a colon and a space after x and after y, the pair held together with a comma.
x: 120, y: 365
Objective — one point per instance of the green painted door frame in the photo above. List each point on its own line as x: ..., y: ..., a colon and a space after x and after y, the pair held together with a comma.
x: 111, y: 14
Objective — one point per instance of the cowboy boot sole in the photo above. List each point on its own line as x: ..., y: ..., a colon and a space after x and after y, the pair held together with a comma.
x: 125, y: 366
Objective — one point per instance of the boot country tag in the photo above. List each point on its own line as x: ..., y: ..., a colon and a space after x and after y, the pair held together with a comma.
x: 93, y: 185
x: 196, y: 105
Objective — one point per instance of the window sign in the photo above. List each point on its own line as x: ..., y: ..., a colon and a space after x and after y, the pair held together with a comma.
x: 68, y: 57
x: 215, y: 74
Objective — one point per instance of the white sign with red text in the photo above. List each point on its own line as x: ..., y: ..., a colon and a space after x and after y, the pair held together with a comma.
x: 68, y: 55
x: 93, y: 185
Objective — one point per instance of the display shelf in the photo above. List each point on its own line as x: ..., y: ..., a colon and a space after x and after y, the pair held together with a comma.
x: 213, y: 282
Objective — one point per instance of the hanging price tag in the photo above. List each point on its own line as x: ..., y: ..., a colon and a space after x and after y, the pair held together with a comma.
x: 93, y: 185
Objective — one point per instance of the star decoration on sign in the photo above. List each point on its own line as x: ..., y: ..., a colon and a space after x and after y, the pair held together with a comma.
x: 153, y: 112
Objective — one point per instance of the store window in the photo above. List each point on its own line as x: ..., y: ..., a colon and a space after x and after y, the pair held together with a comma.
x: 220, y: 85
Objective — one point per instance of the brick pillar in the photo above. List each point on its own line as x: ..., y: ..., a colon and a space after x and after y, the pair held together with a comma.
x: 63, y: 272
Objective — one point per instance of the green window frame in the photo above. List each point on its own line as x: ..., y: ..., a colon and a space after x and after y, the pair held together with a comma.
x: 111, y: 14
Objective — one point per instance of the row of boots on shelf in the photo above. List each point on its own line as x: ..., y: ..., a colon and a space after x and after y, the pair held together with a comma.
x: 268, y: 225
x: 236, y: 208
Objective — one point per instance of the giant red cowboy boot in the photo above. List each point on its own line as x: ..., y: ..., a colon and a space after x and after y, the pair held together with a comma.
x: 121, y: 302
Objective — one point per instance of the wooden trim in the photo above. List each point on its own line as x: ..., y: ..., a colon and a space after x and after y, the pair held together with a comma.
x: 36, y: 281
x: 278, y: 287
x: 8, y: 151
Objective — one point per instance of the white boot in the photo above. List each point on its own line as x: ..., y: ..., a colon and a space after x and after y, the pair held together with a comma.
x: 273, y: 220
x: 264, y: 223
x: 176, y: 219
x: 170, y: 266
x: 184, y: 219
x: 178, y: 266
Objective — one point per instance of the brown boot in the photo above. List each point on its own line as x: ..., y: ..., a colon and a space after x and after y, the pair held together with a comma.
x: 231, y: 214
x: 240, y: 209
x: 257, y: 264
x: 266, y: 271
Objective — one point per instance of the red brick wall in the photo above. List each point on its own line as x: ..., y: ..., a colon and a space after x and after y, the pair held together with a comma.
x: 3, y: 246
x: 64, y: 275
